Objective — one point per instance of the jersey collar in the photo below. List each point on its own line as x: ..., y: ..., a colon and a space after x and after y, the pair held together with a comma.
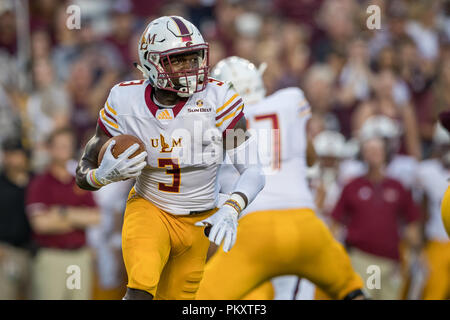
x: 154, y: 108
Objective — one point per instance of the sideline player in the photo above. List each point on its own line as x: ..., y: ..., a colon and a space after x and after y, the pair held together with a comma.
x: 184, y: 119
x: 279, y: 233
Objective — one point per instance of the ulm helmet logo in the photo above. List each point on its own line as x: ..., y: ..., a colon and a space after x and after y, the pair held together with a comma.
x: 145, y: 43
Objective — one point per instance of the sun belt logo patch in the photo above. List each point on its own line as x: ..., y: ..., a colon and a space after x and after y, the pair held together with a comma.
x: 164, y: 115
x: 199, y: 107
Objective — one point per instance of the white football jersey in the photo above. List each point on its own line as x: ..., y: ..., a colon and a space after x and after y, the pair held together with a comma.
x: 184, y: 143
x: 433, y: 178
x: 279, y: 122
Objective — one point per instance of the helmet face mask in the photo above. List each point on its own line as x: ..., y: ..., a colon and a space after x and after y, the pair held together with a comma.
x: 163, y: 49
x: 173, y: 75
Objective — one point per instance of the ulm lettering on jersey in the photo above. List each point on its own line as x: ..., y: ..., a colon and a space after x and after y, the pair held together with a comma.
x: 165, y: 147
x: 197, y: 146
x: 199, y: 310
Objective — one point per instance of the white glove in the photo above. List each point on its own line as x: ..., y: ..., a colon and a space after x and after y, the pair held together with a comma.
x: 112, y: 169
x: 224, y: 225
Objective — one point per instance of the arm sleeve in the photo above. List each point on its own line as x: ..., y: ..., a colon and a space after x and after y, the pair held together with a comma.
x: 245, y: 159
x: 230, y: 111
x: 302, y: 115
x: 303, y: 108
x: 108, y: 116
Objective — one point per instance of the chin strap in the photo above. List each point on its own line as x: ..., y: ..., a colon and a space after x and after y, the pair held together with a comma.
x: 147, y: 76
x: 143, y: 70
x: 262, y: 67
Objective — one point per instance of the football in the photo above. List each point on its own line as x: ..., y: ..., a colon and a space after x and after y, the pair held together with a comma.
x: 123, y: 142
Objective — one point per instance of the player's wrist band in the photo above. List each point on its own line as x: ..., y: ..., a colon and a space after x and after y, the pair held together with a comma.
x: 92, y: 180
x: 236, y: 202
x: 234, y: 205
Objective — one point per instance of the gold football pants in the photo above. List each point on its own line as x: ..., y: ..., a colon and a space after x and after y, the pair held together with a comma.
x: 437, y: 285
x: 164, y: 254
x: 279, y: 242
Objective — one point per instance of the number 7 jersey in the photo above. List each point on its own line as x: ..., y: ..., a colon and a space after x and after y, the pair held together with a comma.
x: 279, y: 122
x: 183, y: 142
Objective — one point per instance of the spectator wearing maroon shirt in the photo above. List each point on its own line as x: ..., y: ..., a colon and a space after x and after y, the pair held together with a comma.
x: 372, y: 208
x: 59, y: 212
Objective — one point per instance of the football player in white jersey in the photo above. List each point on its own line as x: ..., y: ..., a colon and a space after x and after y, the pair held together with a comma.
x: 433, y: 176
x: 186, y: 120
x: 279, y: 233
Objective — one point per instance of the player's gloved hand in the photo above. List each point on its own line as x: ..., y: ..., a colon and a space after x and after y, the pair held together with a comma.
x: 224, y: 227
x: 112, y: 169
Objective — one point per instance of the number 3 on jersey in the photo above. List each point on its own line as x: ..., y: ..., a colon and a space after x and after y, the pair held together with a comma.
x: 174, y: 170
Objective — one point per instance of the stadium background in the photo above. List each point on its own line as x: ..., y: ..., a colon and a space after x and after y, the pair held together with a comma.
x: 53, y: 77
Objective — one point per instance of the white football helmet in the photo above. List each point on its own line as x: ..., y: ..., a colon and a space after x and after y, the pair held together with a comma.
x: 245, y: 77
x: 379, y: 127
x: 173, y: 35
x: 330, y: 144
x: 383, y: 127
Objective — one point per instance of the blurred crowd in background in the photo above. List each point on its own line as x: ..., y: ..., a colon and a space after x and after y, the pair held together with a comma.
x: 361, y: 84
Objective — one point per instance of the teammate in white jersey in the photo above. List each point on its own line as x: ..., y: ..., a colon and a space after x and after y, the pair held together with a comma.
x: 279, y: 234
x: 186, y: 121
x: 278, y: 120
